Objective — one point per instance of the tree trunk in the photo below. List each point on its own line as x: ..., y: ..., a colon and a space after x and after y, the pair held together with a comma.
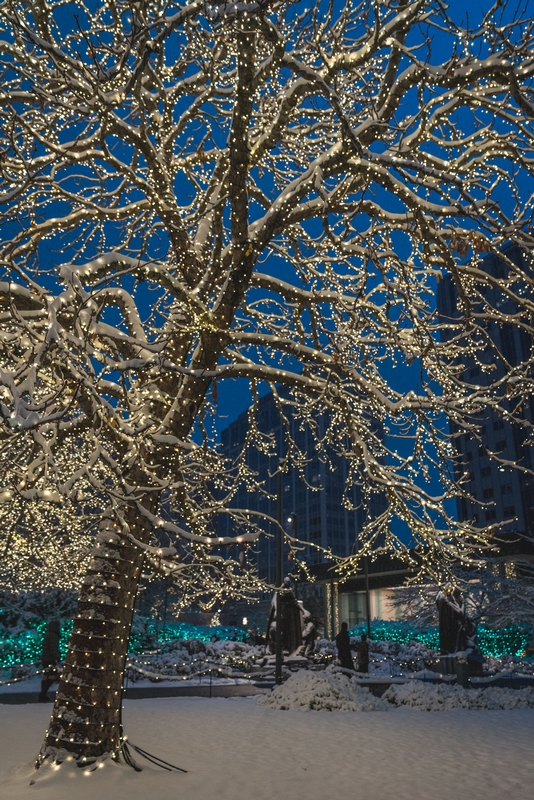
x: 86, y: 719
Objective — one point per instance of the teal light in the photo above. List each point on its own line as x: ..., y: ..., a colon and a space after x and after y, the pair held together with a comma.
x: 492, y: 642
x: 152, y: 633
x: 25, y: 647
x: 382, y: 631
x: 496, y: 643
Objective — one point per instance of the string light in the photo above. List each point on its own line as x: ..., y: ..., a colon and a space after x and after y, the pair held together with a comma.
x: 192, y: 159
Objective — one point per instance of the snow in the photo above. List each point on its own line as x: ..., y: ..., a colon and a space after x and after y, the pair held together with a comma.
x: 244, y: 748
x: 239, y: 749
x: 333, y: 690
x: 322, y: 691
x: 432, y: 697
x: 193, y: 660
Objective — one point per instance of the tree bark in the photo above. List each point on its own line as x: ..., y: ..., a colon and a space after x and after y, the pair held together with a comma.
x: 86, y: 719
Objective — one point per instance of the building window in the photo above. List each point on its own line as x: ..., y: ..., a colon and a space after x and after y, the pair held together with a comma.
x: 490, y: 515
x: 509, y: 511
x: 485, y: 472
x: 501, y: 445
x: 506, y: 488
x: 498, y: 425
x: 487, y: 493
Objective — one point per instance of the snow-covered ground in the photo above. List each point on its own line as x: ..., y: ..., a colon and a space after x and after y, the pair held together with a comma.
x: 242, y: 749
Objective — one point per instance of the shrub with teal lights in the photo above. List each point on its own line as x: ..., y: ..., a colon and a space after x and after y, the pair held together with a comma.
x: 24, y: 647
x: 512, y: 640
x: 148, y: 633
x: 492, y: 642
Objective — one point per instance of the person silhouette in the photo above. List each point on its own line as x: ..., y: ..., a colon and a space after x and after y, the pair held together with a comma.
x: 363, y: 654
x: 343, y: 647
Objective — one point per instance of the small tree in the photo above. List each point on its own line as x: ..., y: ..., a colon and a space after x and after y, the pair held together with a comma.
x: 497, y: 593
x: 502, y: 593
x: 199, y: 193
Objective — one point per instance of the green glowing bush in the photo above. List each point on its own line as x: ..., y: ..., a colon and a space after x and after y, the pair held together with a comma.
x: 503, y: 641
x: 24, y: 647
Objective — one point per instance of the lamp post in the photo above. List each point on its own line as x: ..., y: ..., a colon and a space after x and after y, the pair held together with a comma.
x: 365, y: 560
x: 367, y: 596
x: 279, y: 556
x: 292, y: 520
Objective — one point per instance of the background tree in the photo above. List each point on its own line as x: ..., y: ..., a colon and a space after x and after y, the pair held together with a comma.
x: 497, y: 593
x: 193, y: 194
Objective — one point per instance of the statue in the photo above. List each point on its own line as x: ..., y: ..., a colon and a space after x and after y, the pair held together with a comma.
x: 298, y: 630
x: 457, y: 632
x: 468, y: 643
x: 309, y: 631
x: 451, y: 619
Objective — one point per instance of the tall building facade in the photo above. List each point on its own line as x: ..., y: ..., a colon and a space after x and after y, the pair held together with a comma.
x: 500, y: 493
x: 317, y: 513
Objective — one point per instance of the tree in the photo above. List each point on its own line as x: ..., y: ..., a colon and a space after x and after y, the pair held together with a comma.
x: 497, y: 593
x: 193, y: 194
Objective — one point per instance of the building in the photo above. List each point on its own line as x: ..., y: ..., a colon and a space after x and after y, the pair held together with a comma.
x: 500, y: 493
x: 369, y: 594
x: 317, y: 510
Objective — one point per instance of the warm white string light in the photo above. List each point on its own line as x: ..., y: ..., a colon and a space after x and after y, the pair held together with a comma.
x: 242, y: 192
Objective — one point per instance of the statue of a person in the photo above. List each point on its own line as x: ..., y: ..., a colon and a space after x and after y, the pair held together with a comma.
x: 309, y: 631
x: 469, y: 644
x: 290, y: 622
x: 451, y: 619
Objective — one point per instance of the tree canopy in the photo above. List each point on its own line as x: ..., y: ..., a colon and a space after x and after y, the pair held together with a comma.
x: 271, y: 192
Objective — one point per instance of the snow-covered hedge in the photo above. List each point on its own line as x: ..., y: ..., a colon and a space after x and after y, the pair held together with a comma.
x: 439, y: 697
x: 321, y: 691
x: 193, y: 657
x: 334, y: 691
